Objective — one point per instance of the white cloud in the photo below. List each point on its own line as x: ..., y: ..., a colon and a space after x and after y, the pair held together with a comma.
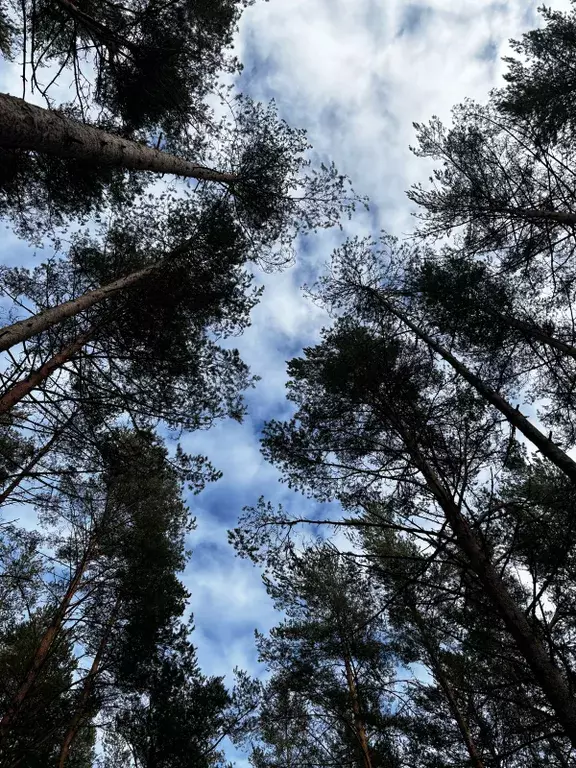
x: 356, y: 74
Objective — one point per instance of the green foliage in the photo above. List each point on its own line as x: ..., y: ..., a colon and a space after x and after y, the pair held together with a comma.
x: 542, y: 76
x: 35, y: 738
x: 177, y: 724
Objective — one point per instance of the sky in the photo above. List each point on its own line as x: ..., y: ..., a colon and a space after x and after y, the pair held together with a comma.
x: 356, y: 74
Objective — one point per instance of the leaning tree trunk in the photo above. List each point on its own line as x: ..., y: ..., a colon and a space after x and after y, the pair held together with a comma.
x: 359, y: 725
x: 10, y: 335
x: 546, y: 673
x: 444, y: 683
x: 44, y: 648
x: 542, y: 214
x: 87, y: 689
x: 24, y: 387
x: 18, y: 332
x: 544, y: 444
x: 26, y: 126
x: 537, y: 333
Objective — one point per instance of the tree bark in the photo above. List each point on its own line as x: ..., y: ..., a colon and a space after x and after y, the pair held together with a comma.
x: 26, y: 126
x: 23, y: 388
x: 358, y: 720
x: 443, y: 682
x: 44, y: 648
x: 87, y: 688
x: 18, y: 332
x: 546, y: 673
x: 544, y: 445
x: 538, y: 334
x: 561, y: 217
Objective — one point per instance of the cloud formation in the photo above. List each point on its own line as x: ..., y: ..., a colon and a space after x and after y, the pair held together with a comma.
x: 356, y: 74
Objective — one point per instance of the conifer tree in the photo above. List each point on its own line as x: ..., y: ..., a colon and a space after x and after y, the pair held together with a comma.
x: 387, y: 414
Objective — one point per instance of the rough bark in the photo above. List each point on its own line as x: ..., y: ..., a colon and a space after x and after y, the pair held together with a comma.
x: 24, y: 387
x: 18, y: 332
x: 561, y: 217
x: 26, y: 126
x: 359, y: 725
x: 517, y: 419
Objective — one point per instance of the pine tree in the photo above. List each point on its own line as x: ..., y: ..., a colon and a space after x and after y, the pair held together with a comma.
x: 328, y: 700
x: 121, y: 535
x: 152, y: 348
x: 499, y: 192
x: 178, y: 720
x: 540, y: 77
x: 385, y: 412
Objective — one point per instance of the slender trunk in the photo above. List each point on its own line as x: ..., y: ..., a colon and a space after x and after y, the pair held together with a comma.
x: 535, y: 332
x: 544, y: 445
x: 561, y: 217
x: 18, y: 332
x: 26, y: 126
x: 44, y: 648
x: 443, y: 682
x: 358, y: 720
x: 87, y: 689
x: 31, y: 464
x: 546, y: 674
x: 24, y: 387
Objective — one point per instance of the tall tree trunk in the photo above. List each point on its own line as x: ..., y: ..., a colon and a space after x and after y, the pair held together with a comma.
x: 87, y: 689
x: 537, y: 333
x: 560, y: 217
x: 444, y: 683
x: 18, y: 332
x: 546, y: 673
x: 544, y: 444
x: 45, y: 646
x: 31, y: 464
x: 10, y: 335
x: 23, y: 388
x: 359, y: 724
x: 26, y: 126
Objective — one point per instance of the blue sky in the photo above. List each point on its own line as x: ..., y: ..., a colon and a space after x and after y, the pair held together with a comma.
x: 356, y: 74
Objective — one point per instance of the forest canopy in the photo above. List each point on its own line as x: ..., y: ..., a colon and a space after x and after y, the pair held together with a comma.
x: 424, y: 609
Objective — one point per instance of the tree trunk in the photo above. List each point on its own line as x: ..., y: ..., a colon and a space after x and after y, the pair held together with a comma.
x: 26, y: 126
x: 544, y: 445
x: 546, y: 674
x: 43, y: 650
x: 87, y: 688
x: 443, y: 682
x: 538, y: 334
x: 358, y: 720
x: 31, y: 464
x: 561, y: 217
x: 18, y: 332
x: 23, y: 388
